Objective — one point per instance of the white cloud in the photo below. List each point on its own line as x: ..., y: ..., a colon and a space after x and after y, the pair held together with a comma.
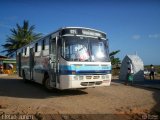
x: 154, y: 36
x: 136, y: 37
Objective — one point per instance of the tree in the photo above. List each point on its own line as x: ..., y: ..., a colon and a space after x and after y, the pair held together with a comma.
x: 21, y: 35
x: 114, y: 61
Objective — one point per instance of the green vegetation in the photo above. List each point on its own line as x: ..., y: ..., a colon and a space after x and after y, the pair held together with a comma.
x: 115, y: 62
x: 20, y: 36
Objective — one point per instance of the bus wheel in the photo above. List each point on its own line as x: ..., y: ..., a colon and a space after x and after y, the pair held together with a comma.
x: 24, y: 78
x: 47, y: 84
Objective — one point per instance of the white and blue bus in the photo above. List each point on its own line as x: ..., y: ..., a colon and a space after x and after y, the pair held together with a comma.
x: 69, y: 58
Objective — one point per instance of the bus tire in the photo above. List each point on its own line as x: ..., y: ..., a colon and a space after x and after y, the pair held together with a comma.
x: 24, y: 78
x: 46, y: 83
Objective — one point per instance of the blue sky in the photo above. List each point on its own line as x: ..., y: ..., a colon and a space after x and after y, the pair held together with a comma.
x: 131, y: 25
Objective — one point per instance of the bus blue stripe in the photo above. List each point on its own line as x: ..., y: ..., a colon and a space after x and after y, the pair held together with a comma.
x: 85, y: 72
x: 79, y: 70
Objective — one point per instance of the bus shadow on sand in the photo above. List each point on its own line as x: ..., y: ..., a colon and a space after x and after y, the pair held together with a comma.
x: 18, y: 88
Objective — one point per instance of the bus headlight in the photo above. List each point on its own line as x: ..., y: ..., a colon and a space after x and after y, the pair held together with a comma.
x: 75, y: 77
x: 107, y: 77
x: 80, y: 77
x: 103, y: 77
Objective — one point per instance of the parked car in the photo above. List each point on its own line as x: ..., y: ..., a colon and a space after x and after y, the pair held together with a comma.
x: 146, y: 72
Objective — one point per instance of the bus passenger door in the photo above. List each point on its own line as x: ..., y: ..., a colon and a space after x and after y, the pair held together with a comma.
x: 31, y: 66
x: 53, y: 61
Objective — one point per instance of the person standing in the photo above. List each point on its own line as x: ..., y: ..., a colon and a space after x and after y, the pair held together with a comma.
x: 130, y: 73
x: 152, y: 70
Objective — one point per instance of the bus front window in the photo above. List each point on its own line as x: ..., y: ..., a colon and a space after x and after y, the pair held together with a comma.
x: 84, y: 49
x: 98, y: 51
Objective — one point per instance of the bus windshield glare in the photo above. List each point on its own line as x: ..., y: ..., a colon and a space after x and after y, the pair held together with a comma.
x: 84, y: 49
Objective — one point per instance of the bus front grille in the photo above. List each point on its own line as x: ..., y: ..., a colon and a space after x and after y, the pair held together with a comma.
x: 91, y: 83
x: 96, y: 77
x: 84, y: 83
x: 98, y: 82
x: 92, y: 77
x: 88, y: 77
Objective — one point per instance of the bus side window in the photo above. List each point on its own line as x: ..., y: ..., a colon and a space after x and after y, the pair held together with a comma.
x: 36, y: 47
x: 59, y: 42
x: 53, y: 49
x: 26, y: 51
x: 43, y: 44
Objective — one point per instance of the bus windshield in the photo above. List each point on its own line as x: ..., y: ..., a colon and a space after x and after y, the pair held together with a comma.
x: 84, y: 49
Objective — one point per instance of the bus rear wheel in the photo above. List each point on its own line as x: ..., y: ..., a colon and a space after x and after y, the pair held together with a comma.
x: 24, y: 78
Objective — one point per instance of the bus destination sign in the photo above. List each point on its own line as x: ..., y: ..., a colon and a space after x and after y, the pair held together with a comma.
x: 86, y: 32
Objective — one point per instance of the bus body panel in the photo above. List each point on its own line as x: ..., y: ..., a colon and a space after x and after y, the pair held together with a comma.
x: 35, y: 60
